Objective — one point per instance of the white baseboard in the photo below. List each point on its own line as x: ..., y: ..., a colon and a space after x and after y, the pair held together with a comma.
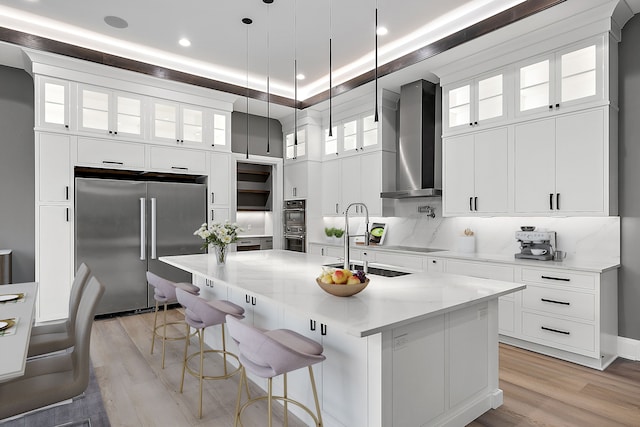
x: 628, y: 348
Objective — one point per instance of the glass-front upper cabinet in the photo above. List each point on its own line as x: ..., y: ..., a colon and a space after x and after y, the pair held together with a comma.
x: 567, y: 77
x: 350, y: 136
x: 296, y: 149
x: 476, y: 102
x: 53, y: 103
x: 179, y: 124
x: 219, y: 133
x: 109, y: 112
x: 330, y: 142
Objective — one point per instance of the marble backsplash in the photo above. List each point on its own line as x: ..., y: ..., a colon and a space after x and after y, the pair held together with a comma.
x: 579, y: 237
x: 255, y: 223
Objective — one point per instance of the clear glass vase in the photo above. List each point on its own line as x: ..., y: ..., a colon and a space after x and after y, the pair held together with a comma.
x: 221, y: 254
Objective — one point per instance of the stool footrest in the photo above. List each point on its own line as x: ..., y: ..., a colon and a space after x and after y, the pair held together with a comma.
x: 213, y: 377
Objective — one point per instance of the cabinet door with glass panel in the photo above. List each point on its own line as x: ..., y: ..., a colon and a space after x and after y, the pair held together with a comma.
x: 296, y: 148
x: 216, y: 130
x: 178, y: 123
x: 476, y: 102
x: 351, y: 136
x: 108, y: 112
x: 53, y: 104
x: 561, y: 79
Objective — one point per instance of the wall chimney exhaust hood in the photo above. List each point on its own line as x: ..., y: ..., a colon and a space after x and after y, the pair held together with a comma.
x: 418, y: 169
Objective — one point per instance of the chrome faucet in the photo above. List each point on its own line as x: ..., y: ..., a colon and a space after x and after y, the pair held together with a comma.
x: 347, y: 260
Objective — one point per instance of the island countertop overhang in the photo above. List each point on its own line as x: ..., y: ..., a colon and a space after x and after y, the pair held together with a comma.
x: 288, y: 279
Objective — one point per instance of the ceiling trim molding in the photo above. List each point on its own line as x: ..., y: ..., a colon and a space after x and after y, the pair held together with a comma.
x: 502, y: 19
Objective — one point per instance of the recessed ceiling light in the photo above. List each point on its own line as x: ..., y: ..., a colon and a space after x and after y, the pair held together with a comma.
x: 116, y: 22
x: 382, y: 31
x: 184, y: 42
x: 300, y: 76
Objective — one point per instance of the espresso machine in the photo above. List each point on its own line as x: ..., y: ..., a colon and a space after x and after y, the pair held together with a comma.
x: 540, y: 245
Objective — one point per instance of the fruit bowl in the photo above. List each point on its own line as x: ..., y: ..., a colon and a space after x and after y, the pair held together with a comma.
x: 342, y: 290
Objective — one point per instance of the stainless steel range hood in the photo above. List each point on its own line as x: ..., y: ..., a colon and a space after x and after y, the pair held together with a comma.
x: 418, y: 170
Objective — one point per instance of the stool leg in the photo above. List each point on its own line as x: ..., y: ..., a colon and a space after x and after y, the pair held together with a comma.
x: 286, y: 404
x: 315, y: 396
x: 242, y: 379
x: 224, y: 349
x: 184, y: 359
x: 164, y: 332
x: 269, y: 399
x: 201, y: 334
x: 155, y: 323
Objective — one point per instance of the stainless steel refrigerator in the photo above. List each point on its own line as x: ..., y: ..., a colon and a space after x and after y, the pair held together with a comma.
x: 123, y: 226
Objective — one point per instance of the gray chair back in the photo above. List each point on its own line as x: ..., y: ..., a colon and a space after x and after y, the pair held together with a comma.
x: 79, y: 282
x: 84, y: 323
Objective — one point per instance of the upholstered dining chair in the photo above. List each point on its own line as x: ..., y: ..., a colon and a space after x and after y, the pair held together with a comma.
x: 49, y: 338
x: 62, y: 376
x: 200, y: 314
x: 268, y: 354
x: 164, y: 291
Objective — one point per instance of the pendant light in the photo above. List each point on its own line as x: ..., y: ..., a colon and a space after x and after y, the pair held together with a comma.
x: 268, y: 2
x: 295, y: 78
x: 330, y: 72
x: 247, y: 21
x: 375, y: 116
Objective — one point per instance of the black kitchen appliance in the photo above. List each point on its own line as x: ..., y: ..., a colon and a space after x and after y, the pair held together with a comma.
x: 295, y: 223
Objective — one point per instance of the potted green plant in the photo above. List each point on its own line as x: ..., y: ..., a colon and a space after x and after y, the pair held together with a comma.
x: 328, y: 233
x: 337, y: 234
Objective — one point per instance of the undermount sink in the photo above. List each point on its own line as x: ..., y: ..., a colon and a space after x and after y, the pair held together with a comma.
x: 372, y: 270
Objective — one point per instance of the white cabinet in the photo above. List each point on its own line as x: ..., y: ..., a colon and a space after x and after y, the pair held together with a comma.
x: 354, y: 135
x: 476, y: 102
x: 110, y: 154
x: 178, y: 123
x: 561, y: 165
x: 178, y: 160
x: 343, y: 373
x: 332, y: 187
x: 54, y: 261
x: 476, y: 173
x: 298, y: 177
x: 111, y: 113
x: 571, y: 76
x: 219, y: 214
x: 295, y: 145
x: 326, y: 250
x: 53, y: 169
x: 219, y: 179
x: 507, y: 304
x: 359, y: 178
x: 53, y: 103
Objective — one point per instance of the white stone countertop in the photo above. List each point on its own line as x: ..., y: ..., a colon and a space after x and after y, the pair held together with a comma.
x: 577, y: 264
x: 253, y: 236
x: 288, y: 278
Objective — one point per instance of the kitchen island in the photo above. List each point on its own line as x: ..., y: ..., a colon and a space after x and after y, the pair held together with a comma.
x: 419, y: 349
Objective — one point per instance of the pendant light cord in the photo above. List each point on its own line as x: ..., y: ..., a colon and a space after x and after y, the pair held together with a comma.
x: 248, y: 22
x: 375, y: 117
x: 268, y: 83
x: 295, y: 75
x: 330, y: 70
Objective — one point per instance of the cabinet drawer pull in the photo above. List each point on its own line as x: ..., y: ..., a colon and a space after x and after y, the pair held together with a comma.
x: 323, y: 329
x: 551, y: 201
x: 66, y: 192
x: 213, y: 197
x: 557, y: 331
x: 312, y: 324
x: 246, y: 298
x: 555, y: 302
x: 179, y: 168
x: 558, y: 201
x: 562, y: 279
x: 471, y: 203
x: 67, y: 214
x: 475, y: 203
x: 253, y: 300
x: 109, y: 162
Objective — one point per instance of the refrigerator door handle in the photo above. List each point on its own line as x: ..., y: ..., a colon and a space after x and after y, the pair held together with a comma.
x: 153, y: 228
x: 143, y: 227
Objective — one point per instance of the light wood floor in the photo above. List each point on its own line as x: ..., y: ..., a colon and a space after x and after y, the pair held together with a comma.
x: 538, y: 390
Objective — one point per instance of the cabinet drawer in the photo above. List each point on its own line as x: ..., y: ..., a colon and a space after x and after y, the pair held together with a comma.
x: 363, y: 255
x: 110, y: 153
x: 564, y: 334
x: 561, y: 278
x: 433, y: 265
x: 399, y: 260
x: 178, y: 160
x: 559, y: 301
x: 481, y: 270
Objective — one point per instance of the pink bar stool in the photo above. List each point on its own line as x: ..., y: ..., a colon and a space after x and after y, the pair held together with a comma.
x: 200, y: 314
x: 268, y: 354
x: 164, y: 291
